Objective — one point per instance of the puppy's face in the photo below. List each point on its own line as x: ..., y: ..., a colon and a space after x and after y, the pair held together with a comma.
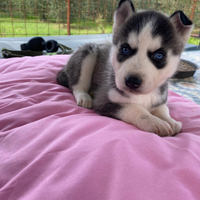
x: 146, y: 50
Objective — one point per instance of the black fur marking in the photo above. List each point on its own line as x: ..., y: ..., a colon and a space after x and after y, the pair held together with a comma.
x: 85, y: 52
x: 144, y: 117
x: 121, y: 92
x: 163, y: 92
x: 122, y: 1
x: 108, y: 109
x: 163, y: 88
x: 113, y: 85
x: 121, y: 57
x: 62, y: 78
x: 159, y: 64
x: 159, y: 103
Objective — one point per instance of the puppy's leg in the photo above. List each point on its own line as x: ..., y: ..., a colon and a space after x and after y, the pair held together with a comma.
x: 163, y: 113
x: 144, y: 120
x: 80, y: 90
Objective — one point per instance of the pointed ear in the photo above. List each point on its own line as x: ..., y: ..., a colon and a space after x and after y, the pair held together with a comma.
x: 124, y: 10
x: 182, y: 24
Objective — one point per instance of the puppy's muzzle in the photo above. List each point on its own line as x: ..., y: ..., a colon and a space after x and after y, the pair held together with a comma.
x: 133, y: 82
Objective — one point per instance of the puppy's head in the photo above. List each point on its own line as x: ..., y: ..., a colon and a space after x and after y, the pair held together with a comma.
x: 146, y: 47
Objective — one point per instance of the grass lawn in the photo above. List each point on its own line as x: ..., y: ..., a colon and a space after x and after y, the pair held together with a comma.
x: 193, y: 40
x: 21, y: 28
x: 33, y: 27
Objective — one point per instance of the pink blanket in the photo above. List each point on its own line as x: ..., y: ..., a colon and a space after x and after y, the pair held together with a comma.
x: 52, y: 149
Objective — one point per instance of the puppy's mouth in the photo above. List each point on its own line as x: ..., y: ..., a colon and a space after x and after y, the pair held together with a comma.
x: 136, y: 91
x: 128, y: 90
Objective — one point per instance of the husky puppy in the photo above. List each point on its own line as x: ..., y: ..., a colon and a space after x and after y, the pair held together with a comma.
x: 127, y: 79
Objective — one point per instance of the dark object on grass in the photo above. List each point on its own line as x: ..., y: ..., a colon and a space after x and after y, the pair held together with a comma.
x: 36, y: 47
x: 39, y: 44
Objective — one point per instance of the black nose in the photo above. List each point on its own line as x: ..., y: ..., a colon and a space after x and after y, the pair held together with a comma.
x: 133, y: 82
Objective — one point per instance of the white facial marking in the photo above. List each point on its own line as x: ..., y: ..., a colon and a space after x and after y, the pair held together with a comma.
x: 133, y: 40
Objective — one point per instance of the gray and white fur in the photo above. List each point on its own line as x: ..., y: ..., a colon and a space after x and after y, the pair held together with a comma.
x: 127, y: 79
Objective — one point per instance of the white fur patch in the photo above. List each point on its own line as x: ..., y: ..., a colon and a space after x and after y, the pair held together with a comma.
x: 86, y: 73
x: 80, y: 90
x: 144, y: 40
x: 144, y: 100
x: 133, y: 40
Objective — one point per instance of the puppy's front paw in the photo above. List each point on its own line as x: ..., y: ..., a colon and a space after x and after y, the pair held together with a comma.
x: 84, y: 100
x: 176, y: 126
x: 161, y: 128
x: 156, y: 125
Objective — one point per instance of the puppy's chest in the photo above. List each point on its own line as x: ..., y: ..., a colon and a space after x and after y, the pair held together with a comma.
x: 147, y: 101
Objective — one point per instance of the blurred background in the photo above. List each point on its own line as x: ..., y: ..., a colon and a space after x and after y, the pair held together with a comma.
x: 27, y: 18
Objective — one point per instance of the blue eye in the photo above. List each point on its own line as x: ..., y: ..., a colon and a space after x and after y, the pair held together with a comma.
x: 125, y: 50
x: 158, y: 56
